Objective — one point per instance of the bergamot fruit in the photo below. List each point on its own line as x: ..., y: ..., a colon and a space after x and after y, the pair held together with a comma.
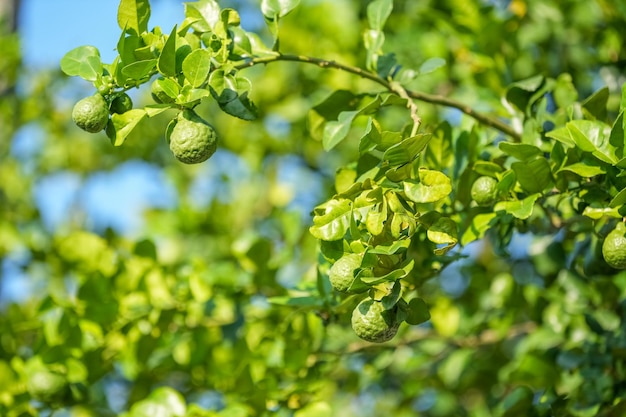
x: 91, y: 113
x: 341, y: 274
x: 121, y: 104
x: 192, y: 140
x: 372, y: 322
x: 614, y: 247
x: 484, y: 191
x: 47, y: 386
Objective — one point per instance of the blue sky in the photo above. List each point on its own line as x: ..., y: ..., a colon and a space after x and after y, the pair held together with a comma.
x: 50, y: 28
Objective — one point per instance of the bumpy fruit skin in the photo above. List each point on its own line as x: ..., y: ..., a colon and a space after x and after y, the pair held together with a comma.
x: 341, y: 274
x: 91, y: 113
x: 192, y: 140
x: 614, y: 247
x: 484, y: 191
x: 121, y: 104
x: 47, y: 386
x: 371, y: 322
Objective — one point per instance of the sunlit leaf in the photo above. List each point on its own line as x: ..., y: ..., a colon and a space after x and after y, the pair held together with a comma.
x: 204, y: 14
x: 377, y: 13
x: 336, y: 131
x: 332, y: 220
x: 522, y: 209
x: 133, y: 16
x: 273, y: 9
x: 534, y: 176
x: 431, y: 187
x: 476, y: 230
x: 431, y: 65
x: 121, y: 125
x: 83, y: 61
x: 196, y: 67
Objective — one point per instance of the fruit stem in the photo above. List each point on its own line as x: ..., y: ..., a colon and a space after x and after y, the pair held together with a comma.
x: 390, y: 86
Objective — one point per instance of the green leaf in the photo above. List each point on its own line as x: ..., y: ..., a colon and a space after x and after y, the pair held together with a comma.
x: 563, y: 135
x: 599, y: 213
x: 377, y: 13
x: 431, y: 65
x: 332, y: 220
x: 594, y: 137
x: 225, y: 87
x: 242, y: 47
x: 167, y: 59
x: 393, y: 248
x: 205, y: 14
x: 595, y: 104
x: 418, y: 312
x: 83, y: 61
x: 407, y: 150
x: 617, y: 138
x: 521, y: 151
x: 480, y: 224
x: 387, y: 66
x: 336, y: 131
x: 565, y: 94
x: 521, y: 209
x: 619, y: 199
x: 133, y: 16
x: 169, y: 87
x: 303, y: 301
x: 443, y: 231
x: 432, y: 187
x: 518, y: 402
x: 273, y: 9
x: 139, y: 70
x: 376, y: 218
x: 121, y: 125
x: 584, y: 170
x: 241, y: 107
x: 487, y: 168
x: 394, y: 275
x: 196, y: 67
x: 519, y: 93
x: 534, y: 176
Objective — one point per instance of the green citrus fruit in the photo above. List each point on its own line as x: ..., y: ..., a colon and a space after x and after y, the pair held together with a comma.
x: 158, y: 94
x: 614, y: 247
x: 91, y: 113
x: 341, y: 274
x: 47, y: 386
x: 121, y: 104
x: 371, y: 322
x: 484, y: 191
x: 192, y: 139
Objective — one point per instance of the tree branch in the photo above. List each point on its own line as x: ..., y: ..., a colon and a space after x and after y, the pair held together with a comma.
x: 427, y: 98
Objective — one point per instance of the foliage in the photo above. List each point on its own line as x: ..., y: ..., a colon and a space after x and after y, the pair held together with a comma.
x: 224, y: 307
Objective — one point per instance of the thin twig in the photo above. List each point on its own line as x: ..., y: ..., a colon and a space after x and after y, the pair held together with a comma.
x: 427, y: 98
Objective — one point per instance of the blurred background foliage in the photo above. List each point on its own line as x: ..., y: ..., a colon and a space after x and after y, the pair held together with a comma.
x: 124, y: 271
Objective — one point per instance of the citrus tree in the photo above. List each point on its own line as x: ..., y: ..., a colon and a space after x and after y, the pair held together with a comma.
x: 382, y: 208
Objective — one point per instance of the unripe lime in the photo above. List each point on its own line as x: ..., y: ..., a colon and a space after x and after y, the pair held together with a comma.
x: 341, y: 274
x: 46, y: 386
x: 158, y: 94
x: 121, y: 104
x: 614, y: 247
x: 372, y: 322
x: 192, y: 140
x: 484, y: 191
x: 91, y: 113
